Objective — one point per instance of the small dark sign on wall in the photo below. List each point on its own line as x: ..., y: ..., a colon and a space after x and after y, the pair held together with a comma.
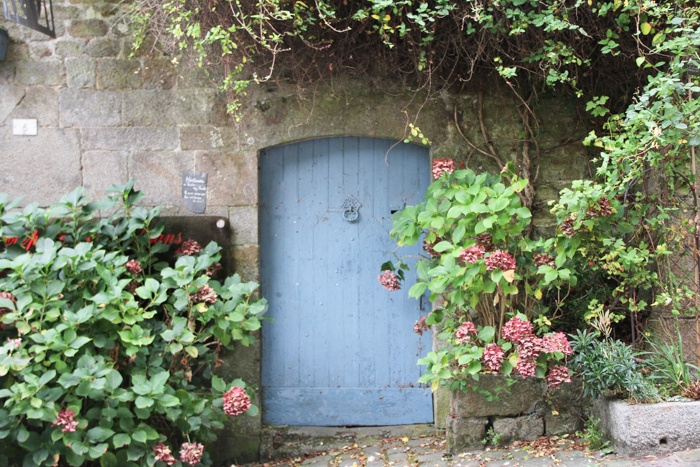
x: 194, y: 191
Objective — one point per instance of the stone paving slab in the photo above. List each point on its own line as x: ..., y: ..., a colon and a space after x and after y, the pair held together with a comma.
x: 429, y: 451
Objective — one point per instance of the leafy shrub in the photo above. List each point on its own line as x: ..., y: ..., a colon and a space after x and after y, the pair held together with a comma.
x: 610, y: 367
x: 110, y: 343
x: 485, y: 272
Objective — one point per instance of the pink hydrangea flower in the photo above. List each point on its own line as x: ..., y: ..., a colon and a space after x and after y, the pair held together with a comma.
x: 236, y: 401
x: 163, y: 454
x: 16, y: 343
x: 558, y: 374
x: 462, y: 334
x: 526, y: 368
x: 500, y: 259
x: 556, y: 343
x: 134, y: 267
x: 191, y: 453
x: 389, y: 280
x: 64, y: 419
x: 516, y: 330
x: 443, y: 166
x: 529, y: 349
x: 543, y: 258
x: 472, y: 254
x: 493, y: 357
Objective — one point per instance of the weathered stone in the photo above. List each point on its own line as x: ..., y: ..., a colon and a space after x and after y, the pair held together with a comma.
x: 17, y: 51
x: 7, y: 71
x: 441, y: 405
x: 118, y: 74
x: 39, y: 50
x: 107, y: 46
x: 649, y: 429
x: 562, y: 423
x: 69, y: 47
x: 47, y: 72
x: 166, y: 107
x: 236, y: 450
x: 246, y: 262
x: 233, y: 177
x: 158, y: 73
x: 87, y: 28
x: 465, y: 433
x: 80, y: 72
x: 526, y: 428
x: 102, y: 169
x: 244, y: 223
x: 159, y: 175
x: 520, y: 398
x: 88, y: 108
x: 39, y: 102
x: 66, y: 12
x: 41, y: 168
x: 211, y: 137
x: 568, y: 396
x: 130, y: 138
x: 10, y: 96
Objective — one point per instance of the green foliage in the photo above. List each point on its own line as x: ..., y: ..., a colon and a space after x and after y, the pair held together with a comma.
x: 610, y: 367
x: 536, y: 44
x: 492, y: 438
x: 131, y: 352
x: 462, y: 211
x: 668, y: 367
x: 593, y: 436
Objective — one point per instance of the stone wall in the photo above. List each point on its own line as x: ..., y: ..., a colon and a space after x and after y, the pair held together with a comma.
x: 105, y: 118
x: 523, y: 411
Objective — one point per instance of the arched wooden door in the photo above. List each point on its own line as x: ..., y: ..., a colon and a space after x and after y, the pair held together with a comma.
x: 341, y: 349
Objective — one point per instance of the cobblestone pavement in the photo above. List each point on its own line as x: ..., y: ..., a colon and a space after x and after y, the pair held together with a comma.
x: 429, y: 451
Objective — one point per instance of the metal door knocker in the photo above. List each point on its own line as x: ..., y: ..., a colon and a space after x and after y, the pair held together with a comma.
x: 351, y: 209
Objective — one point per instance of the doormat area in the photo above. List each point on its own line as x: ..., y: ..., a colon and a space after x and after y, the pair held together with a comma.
x: 282, y: 442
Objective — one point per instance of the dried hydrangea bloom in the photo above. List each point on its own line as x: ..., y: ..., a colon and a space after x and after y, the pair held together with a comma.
x: 472, y: 254
x: 567, y: 227
x: 428, y: 248
x: 558, y: 374
x: 493, y: 357
x: 163, y: 454
x: 542, y: 259
x: 236, y: 401
x: 500, y: 259
x: 485, y: 241
x: 556, y: 342
x: 443, y: 166
x: 134, y: 267
x: 421, y: 326
x: 462, y: 334
x: 204, y: 294
x: 389, y: 281
x: 191, y: 453
x: 213, y: 270
x: 189, y: 247
x: 64, y: 419
x: 517, y: 330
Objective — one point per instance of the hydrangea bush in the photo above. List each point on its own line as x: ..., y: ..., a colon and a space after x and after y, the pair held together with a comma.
x: 487, y: 276
x: 112, y: 343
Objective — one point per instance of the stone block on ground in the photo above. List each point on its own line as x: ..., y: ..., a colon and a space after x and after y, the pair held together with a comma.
x: 649, y: 429
x: 563, y: 423
x: 465, y: 433
x: 526, y: 428
x: 521, y: 397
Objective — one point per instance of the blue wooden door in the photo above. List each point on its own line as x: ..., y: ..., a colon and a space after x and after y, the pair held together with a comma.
x: 341, y: 349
